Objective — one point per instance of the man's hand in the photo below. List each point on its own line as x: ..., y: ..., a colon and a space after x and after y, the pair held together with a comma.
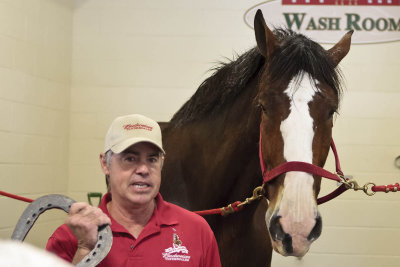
x: 84, y: 221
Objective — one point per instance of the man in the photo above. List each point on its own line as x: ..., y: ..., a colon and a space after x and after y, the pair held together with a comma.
x: 147, y: 231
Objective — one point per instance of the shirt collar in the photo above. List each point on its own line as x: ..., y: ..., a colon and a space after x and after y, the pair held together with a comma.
x: 165, y: 214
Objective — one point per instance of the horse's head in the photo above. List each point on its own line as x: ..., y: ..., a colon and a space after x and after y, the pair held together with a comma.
x: 298, y: 94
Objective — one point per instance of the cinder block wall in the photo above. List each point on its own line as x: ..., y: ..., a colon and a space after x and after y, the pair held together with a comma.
x: 35, y: 77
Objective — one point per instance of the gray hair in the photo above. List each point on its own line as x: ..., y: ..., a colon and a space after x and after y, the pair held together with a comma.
x: 107, y: 159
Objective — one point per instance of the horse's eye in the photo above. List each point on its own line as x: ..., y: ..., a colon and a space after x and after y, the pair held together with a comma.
x: 331, y: 112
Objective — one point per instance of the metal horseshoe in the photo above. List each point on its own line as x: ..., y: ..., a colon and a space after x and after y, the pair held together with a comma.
x: 40, y: 205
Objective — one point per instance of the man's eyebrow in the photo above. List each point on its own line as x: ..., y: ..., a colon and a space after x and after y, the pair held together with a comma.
x: 155, y: 154
x: 130, y: 152
x: 136, y: 153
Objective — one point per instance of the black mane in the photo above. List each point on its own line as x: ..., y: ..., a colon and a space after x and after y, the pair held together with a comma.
x: 296, y: 55
x: 220, y: 89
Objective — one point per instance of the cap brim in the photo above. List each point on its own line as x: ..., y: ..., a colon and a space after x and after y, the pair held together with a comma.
x: 118, y: 148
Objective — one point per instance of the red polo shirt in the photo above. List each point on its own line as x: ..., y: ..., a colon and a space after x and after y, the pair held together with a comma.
x: 172, y: 237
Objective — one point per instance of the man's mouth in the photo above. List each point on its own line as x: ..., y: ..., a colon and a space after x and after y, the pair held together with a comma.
x: 140, y: 185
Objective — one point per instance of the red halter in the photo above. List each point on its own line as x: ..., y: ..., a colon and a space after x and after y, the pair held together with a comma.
x: 305, y: 167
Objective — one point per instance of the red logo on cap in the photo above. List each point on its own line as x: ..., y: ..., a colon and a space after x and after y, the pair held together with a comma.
x: 137, y: 126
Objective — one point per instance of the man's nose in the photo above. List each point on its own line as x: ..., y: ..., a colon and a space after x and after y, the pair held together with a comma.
x: 142, y: 168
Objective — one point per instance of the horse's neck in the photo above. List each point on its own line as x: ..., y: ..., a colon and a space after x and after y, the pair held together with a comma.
x: 215, y: 160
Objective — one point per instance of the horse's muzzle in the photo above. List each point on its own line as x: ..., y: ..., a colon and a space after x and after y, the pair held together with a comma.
x: 292, y: 243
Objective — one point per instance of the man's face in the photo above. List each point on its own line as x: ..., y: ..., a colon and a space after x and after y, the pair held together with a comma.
x: 135, y: 174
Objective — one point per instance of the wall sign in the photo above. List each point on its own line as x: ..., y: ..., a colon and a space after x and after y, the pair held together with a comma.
x: 325, y: 21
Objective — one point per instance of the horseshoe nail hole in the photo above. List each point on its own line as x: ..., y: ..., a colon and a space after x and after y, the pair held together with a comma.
x: 94, y: 253
x: 99, y: 245
x: 100, y: 237
x: 34, y: 215
x: 88, y: 260
x: 49, y: 205
x: 28, y: 222
x: 41, y: 209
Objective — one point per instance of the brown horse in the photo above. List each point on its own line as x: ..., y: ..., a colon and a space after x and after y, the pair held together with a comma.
x: 287, y: 90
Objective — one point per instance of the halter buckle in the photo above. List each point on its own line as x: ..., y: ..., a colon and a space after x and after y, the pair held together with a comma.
x: 258, y: 193
x: 353, y: 184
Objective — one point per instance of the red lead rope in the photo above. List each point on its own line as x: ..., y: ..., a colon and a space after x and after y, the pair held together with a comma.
x: 386, y: 188
x: 3, y: 193
x: 231, y: 208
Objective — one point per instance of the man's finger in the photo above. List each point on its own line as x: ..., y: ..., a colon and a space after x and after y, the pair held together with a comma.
x: 77, y: 207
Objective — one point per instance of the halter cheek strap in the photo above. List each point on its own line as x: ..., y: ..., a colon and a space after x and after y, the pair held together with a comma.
x: 300, y: 166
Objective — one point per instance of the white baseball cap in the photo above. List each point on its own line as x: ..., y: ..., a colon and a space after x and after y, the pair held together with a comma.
x: 128, y: 130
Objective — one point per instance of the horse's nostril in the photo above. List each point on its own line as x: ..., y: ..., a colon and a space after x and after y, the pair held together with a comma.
x: 287, y: 244
x: 275, y: 228
x: 277, y: 234
x: 317, y: 229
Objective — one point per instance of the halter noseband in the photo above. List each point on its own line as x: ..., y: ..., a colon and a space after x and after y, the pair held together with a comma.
x: 300, y: 166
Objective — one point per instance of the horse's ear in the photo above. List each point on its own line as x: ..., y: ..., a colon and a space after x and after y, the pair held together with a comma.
x: 340, y: 50
x: 266, y: 40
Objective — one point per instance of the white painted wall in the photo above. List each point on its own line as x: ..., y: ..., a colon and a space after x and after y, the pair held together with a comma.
x: 35, y: 76
x: 149, y: 57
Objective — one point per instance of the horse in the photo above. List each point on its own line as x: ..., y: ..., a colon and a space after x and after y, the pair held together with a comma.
x: 277, y: 99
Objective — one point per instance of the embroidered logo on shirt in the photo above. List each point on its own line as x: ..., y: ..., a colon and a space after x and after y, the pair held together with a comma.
x: 177, y: 252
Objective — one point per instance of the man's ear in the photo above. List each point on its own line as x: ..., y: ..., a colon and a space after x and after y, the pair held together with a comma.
x: 162, y: 160
x: 103, y: 164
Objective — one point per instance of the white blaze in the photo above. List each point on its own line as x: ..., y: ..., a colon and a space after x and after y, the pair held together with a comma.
x: 297, y: 207
x: 297, y: 129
